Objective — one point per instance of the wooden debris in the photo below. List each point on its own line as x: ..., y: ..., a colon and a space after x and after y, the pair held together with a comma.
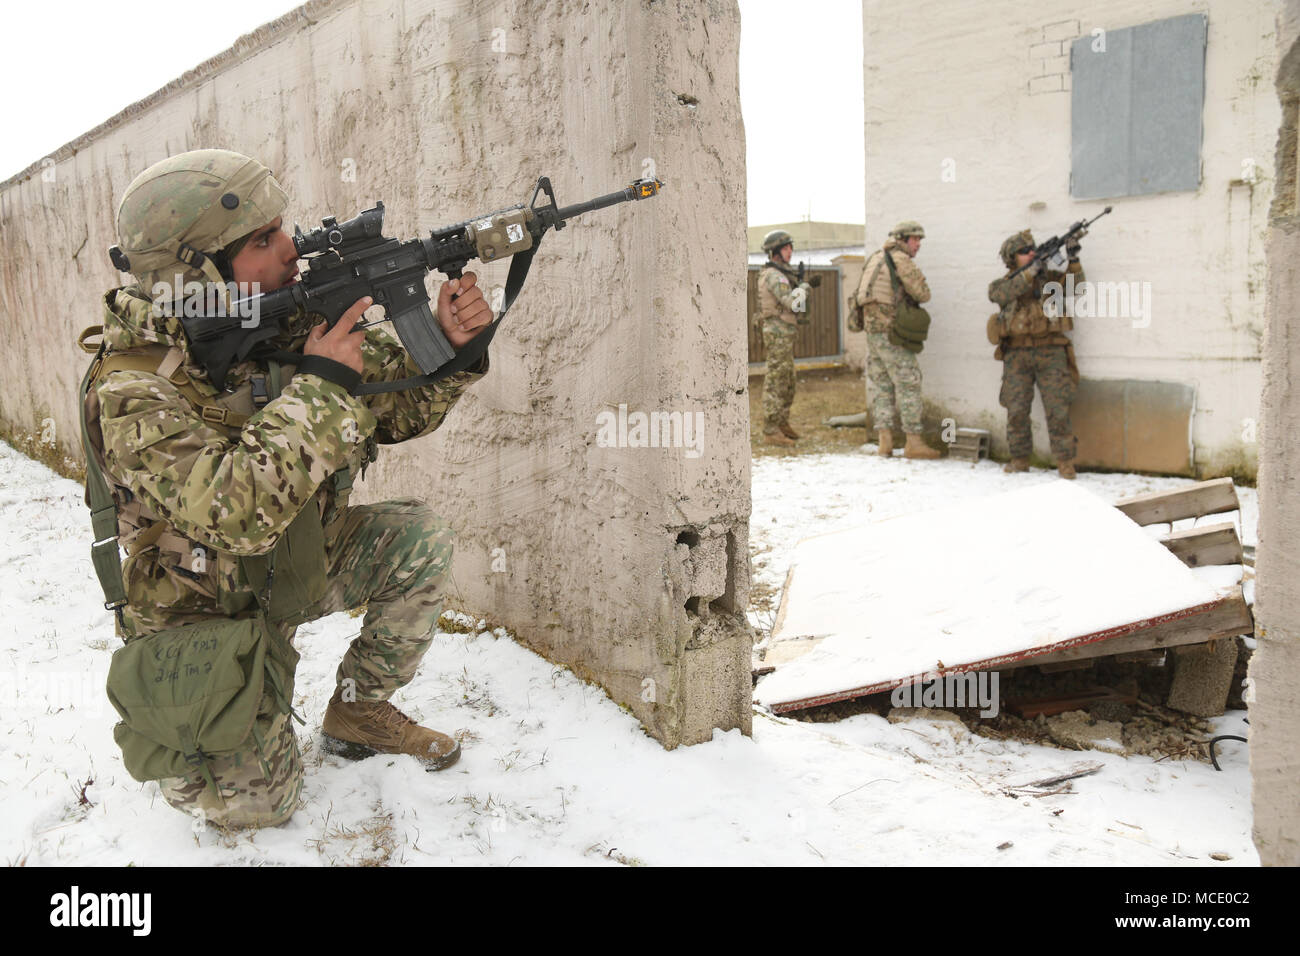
x: 1205, y: 498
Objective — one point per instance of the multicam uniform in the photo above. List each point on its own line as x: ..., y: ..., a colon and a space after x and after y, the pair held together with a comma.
x: 778, y: 296
x: 893, y: 374
x: 1035, y: 348
x: 201, y: 492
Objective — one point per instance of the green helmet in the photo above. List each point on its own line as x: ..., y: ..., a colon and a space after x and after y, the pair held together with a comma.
x: 776, y: 239
x: 195, y: 202
x: 906, y: 229
x: 1011, y: 244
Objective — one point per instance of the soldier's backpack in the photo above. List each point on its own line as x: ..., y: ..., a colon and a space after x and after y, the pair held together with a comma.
x: 911, y: 322
x: 191, y: 693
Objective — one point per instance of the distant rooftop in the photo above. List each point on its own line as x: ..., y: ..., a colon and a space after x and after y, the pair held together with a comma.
x: 814, y: 257
x: 811, y: 235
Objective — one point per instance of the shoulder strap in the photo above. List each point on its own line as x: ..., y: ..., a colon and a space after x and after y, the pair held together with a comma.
x: 894, y: 281
x: 876, y: 272
x: 169, y: 365
x: 103, y: 509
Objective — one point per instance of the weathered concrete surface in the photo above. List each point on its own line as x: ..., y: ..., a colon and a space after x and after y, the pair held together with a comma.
x: 628, y: 563
x: 1275, y: 665
x: 1203, y: 677
x: 967, y: 130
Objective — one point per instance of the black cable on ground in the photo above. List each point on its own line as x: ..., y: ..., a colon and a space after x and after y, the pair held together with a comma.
x: 1214, y: 740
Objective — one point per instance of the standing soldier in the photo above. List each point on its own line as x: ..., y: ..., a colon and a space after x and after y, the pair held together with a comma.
x: 1034, y: 347
x: 893, y: 373
x: 780, y: 296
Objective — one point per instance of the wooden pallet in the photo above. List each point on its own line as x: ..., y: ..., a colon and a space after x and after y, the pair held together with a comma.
x: 1197, y: 547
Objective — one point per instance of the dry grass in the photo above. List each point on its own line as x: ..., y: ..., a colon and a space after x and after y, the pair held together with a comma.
x: 818, y: 395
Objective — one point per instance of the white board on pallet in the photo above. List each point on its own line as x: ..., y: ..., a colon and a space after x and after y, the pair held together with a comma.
x: 969, y: 586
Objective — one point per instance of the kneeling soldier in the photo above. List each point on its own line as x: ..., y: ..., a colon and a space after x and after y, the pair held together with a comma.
x: 231, y: 500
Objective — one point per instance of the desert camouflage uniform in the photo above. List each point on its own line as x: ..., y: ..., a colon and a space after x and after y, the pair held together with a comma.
x: 222, y: 493
x: 777, y: 299
x: 1035, y: 348
x: 893, y: 374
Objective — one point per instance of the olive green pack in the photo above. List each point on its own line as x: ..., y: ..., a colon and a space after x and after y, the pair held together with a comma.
x: 191, y: 693
x: 911, y: 322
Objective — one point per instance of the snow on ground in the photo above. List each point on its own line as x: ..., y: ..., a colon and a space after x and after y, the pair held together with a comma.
x: 796, y: 497
x: 553, y: 772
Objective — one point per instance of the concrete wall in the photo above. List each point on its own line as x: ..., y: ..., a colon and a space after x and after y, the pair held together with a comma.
x: 961, y: 136
x: 1275, y: 666
x: 855, y: 343
x: 628, y: 563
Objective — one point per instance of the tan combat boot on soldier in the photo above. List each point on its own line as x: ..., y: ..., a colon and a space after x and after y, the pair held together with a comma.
x: 917, y: 448
x: 364, y: 728
x: 1016, y: 464
x: 1065, y: 467
x: 789, y: 432
x: 773, y: 436
x: 885, y: 439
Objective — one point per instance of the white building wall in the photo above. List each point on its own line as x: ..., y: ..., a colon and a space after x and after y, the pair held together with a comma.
x: 961, y: 135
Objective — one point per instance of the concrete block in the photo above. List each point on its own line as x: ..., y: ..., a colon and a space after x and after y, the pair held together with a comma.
x: 1203, y: 677
x: 1045, y: 84
x: 1056, y: 64
x: 1061, y: 30
x: 1042, y: 51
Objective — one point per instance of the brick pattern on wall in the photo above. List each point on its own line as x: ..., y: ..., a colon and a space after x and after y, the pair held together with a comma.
x: 1049, y: 58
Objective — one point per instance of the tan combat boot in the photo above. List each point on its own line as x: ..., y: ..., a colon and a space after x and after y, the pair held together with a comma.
x: 885, y: 438
x: 917, y: 448
x: 1016, y: 464
x: 773, y: 436
x: 364, y: 728
x: 789, y: 432
x: 1065, y: 467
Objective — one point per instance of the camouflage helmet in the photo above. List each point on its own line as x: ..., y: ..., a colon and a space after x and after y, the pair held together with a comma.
x: 195, y: 202
x: 775, y: 239
x: 1011, y: 244
x: 906, y: 229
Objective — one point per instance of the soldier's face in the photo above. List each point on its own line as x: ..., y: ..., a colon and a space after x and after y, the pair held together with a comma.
x: 786, y: 251
x: 913, y: 244
x: 268, y: 258
x: 1024, y: 258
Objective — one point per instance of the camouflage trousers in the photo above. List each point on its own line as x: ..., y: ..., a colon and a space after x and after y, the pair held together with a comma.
x: 778, y: 381
x: 1049, y: 367
x: 894, y: 384
x: 393, y: 557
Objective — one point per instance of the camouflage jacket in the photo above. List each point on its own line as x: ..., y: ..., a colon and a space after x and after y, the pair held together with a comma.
x: 221, y: 491
x: 1023, y: 319
x: 776, y: 294
x: 875, y: 292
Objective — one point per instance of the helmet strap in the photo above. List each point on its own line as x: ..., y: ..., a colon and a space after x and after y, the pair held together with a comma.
x: 205, y: 264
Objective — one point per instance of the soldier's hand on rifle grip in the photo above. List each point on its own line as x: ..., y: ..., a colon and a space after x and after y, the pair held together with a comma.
x: 340, y: 343
x: 465, y: 315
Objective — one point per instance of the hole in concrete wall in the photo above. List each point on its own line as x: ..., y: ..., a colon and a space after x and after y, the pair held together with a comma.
x: 727, y: 603
x: 693, y: 605
x: 688, y: 538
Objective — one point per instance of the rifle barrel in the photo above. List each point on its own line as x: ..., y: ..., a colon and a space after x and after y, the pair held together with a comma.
x: 627, y: 194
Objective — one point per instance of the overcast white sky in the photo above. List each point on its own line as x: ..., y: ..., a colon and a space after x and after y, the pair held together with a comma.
x: 800, y: 85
